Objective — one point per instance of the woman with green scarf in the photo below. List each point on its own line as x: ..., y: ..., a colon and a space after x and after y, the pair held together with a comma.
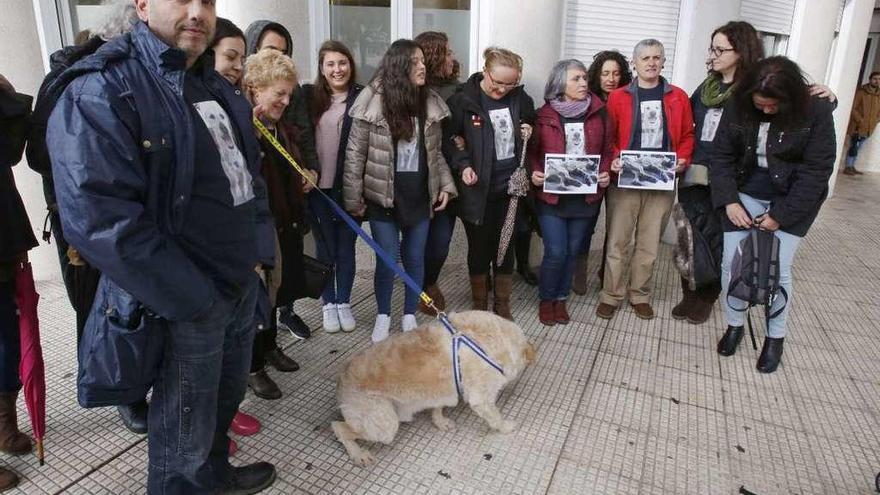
x: 734, y: 47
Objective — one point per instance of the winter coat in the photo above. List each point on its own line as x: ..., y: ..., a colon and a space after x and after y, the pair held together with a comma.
x: 549, y: 137
x: 353, y: 92
x: 800, y: 160
x: 370, y: 153
x: 122, y: 151
x: 297, y: 112
x: 865, y: 111
x: 623, y: 107
x: 470, y: 121
x: 16, y: 234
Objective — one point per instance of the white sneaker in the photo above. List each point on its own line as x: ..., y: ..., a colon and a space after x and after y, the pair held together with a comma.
x: 409, y: 323
x: 331, y: 318
x: 381, y: 328
x: 346, y: 319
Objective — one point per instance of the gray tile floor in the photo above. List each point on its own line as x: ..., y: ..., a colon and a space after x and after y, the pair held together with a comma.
x: 615, y: 407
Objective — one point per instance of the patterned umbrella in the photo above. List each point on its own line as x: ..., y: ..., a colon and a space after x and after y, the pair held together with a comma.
x: 31, y: 368
x: 518, y: 187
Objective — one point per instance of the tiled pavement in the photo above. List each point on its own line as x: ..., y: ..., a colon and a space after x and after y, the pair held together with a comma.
x: 615, y: 407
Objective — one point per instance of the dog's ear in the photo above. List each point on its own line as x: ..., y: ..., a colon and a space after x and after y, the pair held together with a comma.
x: 529, y: 353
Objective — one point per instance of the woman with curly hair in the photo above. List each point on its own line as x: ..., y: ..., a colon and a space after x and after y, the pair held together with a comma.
x: 609, y: 71
x: 395, y: 173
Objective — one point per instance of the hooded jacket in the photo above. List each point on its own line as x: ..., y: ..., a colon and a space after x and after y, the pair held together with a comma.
x: 369, y: 155
x: 865, y: 111
x: 297, y: 112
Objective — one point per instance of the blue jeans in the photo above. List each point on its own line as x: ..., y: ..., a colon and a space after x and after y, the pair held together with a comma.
x: 412, y: 247
x: 334, y: 241
x: 563, y: 240
x: 437, y: 249
x: 855, y: 143
x: 788, y: 245
x: 202, y: 381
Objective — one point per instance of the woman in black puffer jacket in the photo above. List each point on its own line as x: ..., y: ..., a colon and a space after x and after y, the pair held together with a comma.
x: 773, y: 157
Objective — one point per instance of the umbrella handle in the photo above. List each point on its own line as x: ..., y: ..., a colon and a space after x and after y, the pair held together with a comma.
x: 40, y: 453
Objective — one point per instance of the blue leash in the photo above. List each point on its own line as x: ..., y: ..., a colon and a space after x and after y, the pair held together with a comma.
x: 458, y: 338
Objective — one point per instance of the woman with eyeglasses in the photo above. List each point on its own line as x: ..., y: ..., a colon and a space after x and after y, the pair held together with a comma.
x: 493, y: 114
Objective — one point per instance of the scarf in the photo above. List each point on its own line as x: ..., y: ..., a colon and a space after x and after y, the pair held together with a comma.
x: 711, y: 95
x: 571, y: 109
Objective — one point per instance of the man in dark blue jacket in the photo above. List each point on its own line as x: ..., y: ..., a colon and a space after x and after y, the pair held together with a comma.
x: 158, y: 185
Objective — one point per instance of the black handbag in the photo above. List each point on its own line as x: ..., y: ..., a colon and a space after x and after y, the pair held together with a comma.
x: 302, y: 275
x: 316, y: 275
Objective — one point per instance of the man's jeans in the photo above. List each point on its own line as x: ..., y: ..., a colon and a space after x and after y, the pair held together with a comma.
x: 412, y: 248
x: 788, y: 245
x: 855, y: 143
x: 202, y: 382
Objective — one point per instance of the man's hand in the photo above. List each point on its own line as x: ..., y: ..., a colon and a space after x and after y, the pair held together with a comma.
x: 738, y: 215
x: 468, y: 176
x: 442, y: 201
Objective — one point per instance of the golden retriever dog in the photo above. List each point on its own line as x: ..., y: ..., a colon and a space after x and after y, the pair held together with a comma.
x: 411, y: 372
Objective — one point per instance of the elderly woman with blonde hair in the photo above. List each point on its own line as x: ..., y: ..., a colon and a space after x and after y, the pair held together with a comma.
x: 269, y: 80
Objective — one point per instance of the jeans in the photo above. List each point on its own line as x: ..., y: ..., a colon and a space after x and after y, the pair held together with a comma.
x: 437, y: 250
x: 10, y: 343
x: 202, y: 381
x: 563, y: 240
x: 788, y: 245
x: 388, y: 234
x: 855, y: 143
x: 483, y: 241
x: 334, y: 241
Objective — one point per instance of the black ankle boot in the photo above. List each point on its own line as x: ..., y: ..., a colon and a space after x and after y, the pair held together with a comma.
x: 771, y: 354
x: 730, y: 341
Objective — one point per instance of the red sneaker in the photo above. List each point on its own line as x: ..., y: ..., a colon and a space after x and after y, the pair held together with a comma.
x: 233, y: 447
x: 244, y: 424
x: 560, y: 313
x: 545, y: 313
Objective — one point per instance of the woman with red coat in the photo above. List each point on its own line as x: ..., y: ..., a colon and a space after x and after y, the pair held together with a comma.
x: 574, y: 121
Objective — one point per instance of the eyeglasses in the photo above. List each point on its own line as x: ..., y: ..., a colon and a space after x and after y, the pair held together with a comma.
x: 500, y: 84
x: 717, y: 52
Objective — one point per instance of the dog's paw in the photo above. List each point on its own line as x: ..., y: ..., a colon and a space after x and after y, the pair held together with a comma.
x: 444, y: 424
x: 506, y: 426
x: 362, y: 458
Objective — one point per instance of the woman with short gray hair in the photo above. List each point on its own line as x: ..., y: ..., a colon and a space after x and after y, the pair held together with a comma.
x: 572, y: 123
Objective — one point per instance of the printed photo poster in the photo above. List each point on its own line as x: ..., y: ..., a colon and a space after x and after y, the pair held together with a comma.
x: 571, y: 174
x: 652, y: 124
x: 502, y: 125
x: 653, y: 170
x: 231, y: 160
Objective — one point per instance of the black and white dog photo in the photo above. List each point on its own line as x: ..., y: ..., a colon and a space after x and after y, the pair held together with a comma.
x: 647, y: 170
x: 571, y: 174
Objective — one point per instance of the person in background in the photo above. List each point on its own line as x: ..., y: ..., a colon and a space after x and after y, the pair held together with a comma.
x: 649, y: 115
x: 229, y: 49
x: 395, y: 173
x: 573, y: 121
x: 770, y: 170
x: 18, y: 239
x: 329, y: 101
x: 443, y: 79
x: 863, y: 119
x: 493, y: 114
x: 262, y: 35
x: 269, y: 81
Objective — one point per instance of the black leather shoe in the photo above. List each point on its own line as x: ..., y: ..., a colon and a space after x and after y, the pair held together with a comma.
x: 252, y: 478
x: 527, y: 275
x: 134, y: 417
x: 280, y: 361
x: 263, y: 386
x: 771, y: 354
x: 290, y: 321
x: 730, y: 341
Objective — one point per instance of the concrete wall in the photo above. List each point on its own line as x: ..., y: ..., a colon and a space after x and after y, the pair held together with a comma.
x: 702, y: 17
x: 813, y: 33
x: 21, y: 63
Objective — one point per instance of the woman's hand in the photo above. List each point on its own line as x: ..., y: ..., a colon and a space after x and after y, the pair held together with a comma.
x: 468, y: 176
x: 442, y: 201
x: 525, y: 130
x: 604, y: 179
x: 538, y: 178
x: 360, y: 211
x: 259, y: 111
x: 766, y: 222
x: 459, y: 142
x: 313, y: 179
x: 738, y: 215
x: 823, y: 91
x: 680, y: 165
x: 616, y: 166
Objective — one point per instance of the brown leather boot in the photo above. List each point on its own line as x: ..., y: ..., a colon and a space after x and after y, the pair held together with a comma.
x: 8, y: 479
x: 12, y: 441
x: 579, y: 284
x: 688, y: 299
x: 479, y: 292
x: 503, y: 288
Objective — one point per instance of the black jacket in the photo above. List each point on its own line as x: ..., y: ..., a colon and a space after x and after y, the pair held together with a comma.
x: 353, y: 92
x: 16, y: 235
x: 470, y: 121
x: 800, y: 161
